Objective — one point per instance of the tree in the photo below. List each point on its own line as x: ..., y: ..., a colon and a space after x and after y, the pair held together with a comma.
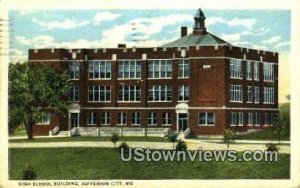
x: 34, y: 90
x: 172, y: 138
x: 229, y: 137
x: 282, y: 121
x: 181, y: 146
x: 114, y: 139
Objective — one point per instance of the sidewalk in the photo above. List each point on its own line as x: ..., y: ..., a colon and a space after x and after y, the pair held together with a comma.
x: 191, y: 145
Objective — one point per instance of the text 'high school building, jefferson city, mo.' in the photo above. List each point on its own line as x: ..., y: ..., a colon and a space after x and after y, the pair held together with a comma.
x: 198, y: 83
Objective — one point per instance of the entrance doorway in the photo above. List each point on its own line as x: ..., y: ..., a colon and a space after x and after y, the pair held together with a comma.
x: 74, y: 120
x: 182, y: 121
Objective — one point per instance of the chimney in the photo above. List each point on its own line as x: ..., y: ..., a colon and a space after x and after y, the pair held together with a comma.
x: 183, y: 31
x: 121, y: 45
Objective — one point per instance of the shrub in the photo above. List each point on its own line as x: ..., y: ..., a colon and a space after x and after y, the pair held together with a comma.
x: 29, y: 173
x: 172, y: 138
x: 181, y: 146
x: 271, y: 147
x: 125, y: 147
x: 229, y: 137
x: 114, y: 139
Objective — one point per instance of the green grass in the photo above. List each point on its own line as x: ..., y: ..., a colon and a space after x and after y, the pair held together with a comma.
x: 105, y: 163
x: 19, y: 133
x: 92, y: 138
x: 265, y: 134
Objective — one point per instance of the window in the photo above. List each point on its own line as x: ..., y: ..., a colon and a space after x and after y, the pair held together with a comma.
x: 160, y: 93
x: 105, y: 118
x: 129, y: 69
x: 99, y: 69
x: 233, y: 119
x: 267, y: 118
x: 136, y: 118
x: 122, y: 118
x: 256, y: 70
x: 240, y: 119
x: 249, y: 94
x: 269, y: 95
x: 184, y: 93
x: 268, y: 71
x: 256, y: 119
x: 237, y: 119
x: 129, y: 93
x: 236, y: 68
x: 152, y: 118
x: 167, y: 118
x: 236, y: 93
x: 160, y: 69
x: 74, y: 94
x: 256, y: 94
x: 74, y: 70
x: 183, y: 69
x: 249, y: 70
x: 45, y: 119
x: 206, y: 119
x: 250, y: 119
x: 92, y: 119
x: 273, y: 118
x: 99, y: 93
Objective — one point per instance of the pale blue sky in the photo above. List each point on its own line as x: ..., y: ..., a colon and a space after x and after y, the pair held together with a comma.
x: 262, y: 29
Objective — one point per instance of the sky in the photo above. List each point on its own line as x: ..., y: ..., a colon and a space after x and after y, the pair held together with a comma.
x: 262, y: 29
x: 81, y: 28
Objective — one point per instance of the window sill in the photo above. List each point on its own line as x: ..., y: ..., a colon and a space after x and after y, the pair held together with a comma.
x: 158, y: 101
x: 160, y: 78
x: 205, y: 125
x: 179, y: 78
x: 236, y: 78
x: 99, y: 101
x: 128, y: 101
x: 166, y: 125
x: 269, y: 80
x: 236, y: 101
x: 96, y: 79
x: 129, y: 78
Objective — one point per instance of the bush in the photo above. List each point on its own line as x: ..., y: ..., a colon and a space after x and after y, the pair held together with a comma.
x: 181, y: 146
x: 125, y: 147
x: 115, y: 138
x: 229, y: 137
x: 271, y: 147
x: 172, y: 138
x: 29, y: 173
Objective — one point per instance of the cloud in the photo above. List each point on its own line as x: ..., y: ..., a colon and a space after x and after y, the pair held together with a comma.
x: 272, y: 40
x: 17, y: 55
x: 66, y: 24
x: 142, y: 29
x: 282, y: 44
x: 23, y: 40
x: 71, y: 23
x: 104, y: 16
x: 245, y: 22
x: 235, y: 36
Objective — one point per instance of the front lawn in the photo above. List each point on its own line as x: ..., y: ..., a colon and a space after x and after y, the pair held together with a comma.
x: 92, y: 138
x: 265, y: 134
x: 105, y: 163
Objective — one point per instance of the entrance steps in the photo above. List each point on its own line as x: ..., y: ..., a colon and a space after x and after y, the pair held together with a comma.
x: 183, y: 135
x: 61, y: 134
